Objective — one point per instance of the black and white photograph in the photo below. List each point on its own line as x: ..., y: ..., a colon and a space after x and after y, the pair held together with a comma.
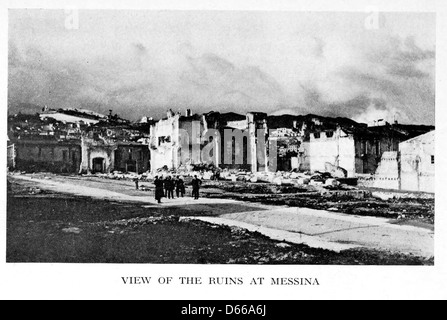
x: 200, y: 137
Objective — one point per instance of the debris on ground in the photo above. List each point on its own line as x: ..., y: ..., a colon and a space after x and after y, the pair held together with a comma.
x: 35, y: 191
x: 383, y: 196
x: 342, y: 198
x: 110, y: 232
x: 72, y: 230
x: 283, y: 245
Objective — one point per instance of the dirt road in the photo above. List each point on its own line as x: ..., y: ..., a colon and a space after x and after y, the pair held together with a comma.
x: 316, y: 228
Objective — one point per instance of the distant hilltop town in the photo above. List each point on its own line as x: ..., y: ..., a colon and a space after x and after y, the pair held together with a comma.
x: 79, y: 141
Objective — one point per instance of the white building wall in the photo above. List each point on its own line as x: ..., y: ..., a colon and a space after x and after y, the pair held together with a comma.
x: 164, y: 154
x: 337, y: 150
x: 347, y: 154
x: 417, y: 163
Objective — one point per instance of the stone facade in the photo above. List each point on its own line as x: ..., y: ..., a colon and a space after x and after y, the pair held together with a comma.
x: 47, y: 155
x: 106, y: 156
x: 98, y: 156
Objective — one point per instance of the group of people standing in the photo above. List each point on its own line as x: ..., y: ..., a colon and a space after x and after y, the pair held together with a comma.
x: 164, y: 188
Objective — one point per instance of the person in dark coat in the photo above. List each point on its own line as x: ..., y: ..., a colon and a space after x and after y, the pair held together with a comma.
x: 180, y: 187
x: 196, y: 182
x: 169, y: 187
x: 158, y: 189
x: 166, y: 186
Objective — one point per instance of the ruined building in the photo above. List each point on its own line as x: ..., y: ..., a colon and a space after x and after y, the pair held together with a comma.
x: 242, y: 142
x: 411, y: 168
x: 171, y: 149
x: 417, y: 163
x: 114, y: 147
x: 399, y: 156
x: 105, y: 156
x: 311, y: 142
x: 226, y: 140
x: 48, y: 155
x: 43, y: 145
x: 340, y: 142
x: 46, y: 144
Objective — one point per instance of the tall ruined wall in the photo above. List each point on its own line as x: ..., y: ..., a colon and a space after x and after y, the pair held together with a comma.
x: 304, y: 156
x: 164, y: 143
x: 255, y: 122
x: 194, y: 130
x: 176, y: 141
x: 417, y: 163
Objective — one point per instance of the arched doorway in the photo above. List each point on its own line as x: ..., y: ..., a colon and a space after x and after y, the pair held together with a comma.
x: 98, y: 165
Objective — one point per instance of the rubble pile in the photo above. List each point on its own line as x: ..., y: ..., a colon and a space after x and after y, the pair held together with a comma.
x: 117, y: 175
x: 245, y: 181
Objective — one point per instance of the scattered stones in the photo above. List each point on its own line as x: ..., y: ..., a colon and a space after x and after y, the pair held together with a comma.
x: 383, y: 196
x: 283, y: 245
x: 336, y: 171
x: 264, y: 260
x: 35, y: 191
x: 332, y: 182
x: 72, y: 230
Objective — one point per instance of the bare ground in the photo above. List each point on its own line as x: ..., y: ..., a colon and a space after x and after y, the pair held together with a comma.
x: 408, y: 210
x: 52, y: 227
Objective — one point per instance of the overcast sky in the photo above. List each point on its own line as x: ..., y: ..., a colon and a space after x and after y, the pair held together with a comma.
x: 141, y: 63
